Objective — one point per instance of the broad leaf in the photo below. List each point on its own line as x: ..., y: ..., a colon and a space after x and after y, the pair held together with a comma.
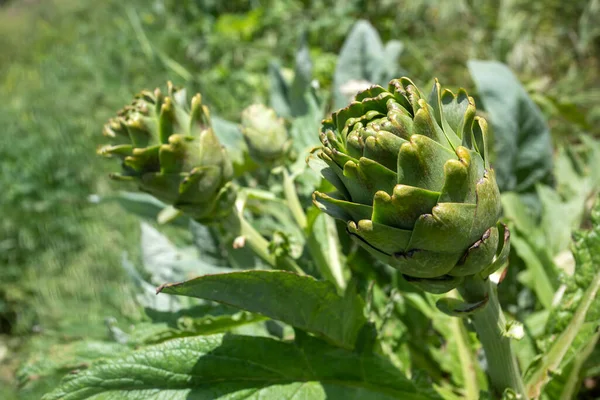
x: 163, y: 261
x: 166, y: 262
x: 207, y: 243
x: 239, y: 367
x: 523, y: 146
x: 300, y: 301
x: 145, y: 294
x: 364, y: 61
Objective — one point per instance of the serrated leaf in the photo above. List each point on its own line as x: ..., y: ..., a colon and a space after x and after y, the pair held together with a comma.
x: 58, y: 359
x: 300, y: 301
x: 577, y: 317
x: 523, y: 144
x: 223, y: 367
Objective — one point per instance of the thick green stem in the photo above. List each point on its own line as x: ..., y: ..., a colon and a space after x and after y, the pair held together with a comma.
x: 329, y: 267
x: 467, y: 359
x: 490, y: 325
x: 291, y: 196
x: 258, y: 244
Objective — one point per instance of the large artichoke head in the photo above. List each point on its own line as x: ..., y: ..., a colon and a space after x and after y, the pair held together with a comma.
x: 414, y: 183
x: 168, y: 147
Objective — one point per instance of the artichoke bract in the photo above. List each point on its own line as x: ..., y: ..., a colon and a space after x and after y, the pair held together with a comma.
x: 168, y: 147
x: 264, y: 133
x: 414, y: 183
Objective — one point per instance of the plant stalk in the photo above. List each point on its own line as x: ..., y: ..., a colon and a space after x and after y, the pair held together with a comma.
x: 467, y: 359
x: 490, y: 325
x: 259, y: 245
x: 329, y: 268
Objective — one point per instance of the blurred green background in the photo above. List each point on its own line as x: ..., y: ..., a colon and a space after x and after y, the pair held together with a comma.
x: 66, y: 66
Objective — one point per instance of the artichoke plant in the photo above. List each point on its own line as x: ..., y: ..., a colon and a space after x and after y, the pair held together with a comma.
x: 170, y: 150
x: 264, y: 133
x: 414, y: 183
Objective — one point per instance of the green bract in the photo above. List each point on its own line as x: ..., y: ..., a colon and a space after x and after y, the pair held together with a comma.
x: 414, y: 183
x: 169, y: 148
x: 264, y: 133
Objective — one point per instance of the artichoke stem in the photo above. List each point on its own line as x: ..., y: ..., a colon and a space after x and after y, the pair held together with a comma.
x: 490, y: 325
x: 315, y: 248
x: 293, y: 201
x: 259, y: 245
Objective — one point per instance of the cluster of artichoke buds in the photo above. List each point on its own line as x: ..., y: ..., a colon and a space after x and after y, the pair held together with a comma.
x: 168, y: 147
x: 265, y: 134
x: 414, y: 183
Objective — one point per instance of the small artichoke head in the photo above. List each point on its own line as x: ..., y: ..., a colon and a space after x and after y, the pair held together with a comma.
x: 414, y: 183
x: 265, y: 134
x: 168, y: 147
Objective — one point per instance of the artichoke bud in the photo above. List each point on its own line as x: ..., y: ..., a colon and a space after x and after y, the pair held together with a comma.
x: 265, y: 134
x: 167, y: 146
x: 414, y: 183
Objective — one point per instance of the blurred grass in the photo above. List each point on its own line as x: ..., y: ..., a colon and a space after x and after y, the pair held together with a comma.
x: 67, y: 65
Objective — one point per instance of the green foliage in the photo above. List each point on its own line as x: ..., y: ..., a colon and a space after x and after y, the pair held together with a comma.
x: 522, y: 138
x: 77, y: 286
x: 299, y: 301
x: 573, y: 323
x: 364, y: 61
x: 227, y: 367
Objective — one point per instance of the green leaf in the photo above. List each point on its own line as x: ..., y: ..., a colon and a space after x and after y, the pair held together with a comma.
x: 185, y: 323
x: 576, y: 319
x: 141, y: 204
x: 231, y: 137
x: 58, y: 359
x: 458, y: 308
x: 329, y: 259
x: 523, y: 143
x: 364, y: 59
x: 292, y: 99
x: 165, y: 262
x: 145, y: 295
x: 207, y: 243
x: 302, y: 79
x: 240, y: 367
x: 279, y: 90
x: 300, y: 301
x: 539, y: 280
